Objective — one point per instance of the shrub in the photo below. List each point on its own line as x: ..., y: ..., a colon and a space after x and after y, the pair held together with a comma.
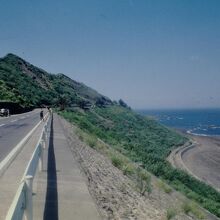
x: 190, y: 207
x: 91, y: 141
x: 100, y: 146
x: 81, y: 137
x: 143, y: 181
x: 117, y: 161
x: 128, y: 169
x: 79, y: 133
x: 164, y: 187
x: 171, y: 212
x: 186, y: 207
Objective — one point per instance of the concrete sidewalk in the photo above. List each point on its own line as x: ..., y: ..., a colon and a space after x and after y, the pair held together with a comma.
x: 11, y: 178
x: 60, y: 192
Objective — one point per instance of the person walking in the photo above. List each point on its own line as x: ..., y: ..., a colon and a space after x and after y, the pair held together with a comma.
x: 41, y: 115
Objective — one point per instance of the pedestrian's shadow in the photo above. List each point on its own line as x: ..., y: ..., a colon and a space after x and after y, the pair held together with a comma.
x: 51, y: 203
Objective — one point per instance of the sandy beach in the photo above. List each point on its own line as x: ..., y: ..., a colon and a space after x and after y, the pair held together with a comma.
x: 202, y: 159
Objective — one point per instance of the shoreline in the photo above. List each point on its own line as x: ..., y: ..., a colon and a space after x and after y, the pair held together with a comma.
x: 191, y: 134
x: 200, y: 157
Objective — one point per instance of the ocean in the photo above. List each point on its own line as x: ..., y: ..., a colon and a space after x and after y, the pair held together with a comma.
x: 203, y: 122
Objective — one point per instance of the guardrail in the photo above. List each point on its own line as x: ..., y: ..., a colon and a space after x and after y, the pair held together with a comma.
x: 11, y: 156
x: 22, y: 202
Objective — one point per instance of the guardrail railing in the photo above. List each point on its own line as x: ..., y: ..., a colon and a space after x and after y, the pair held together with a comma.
x: 16, y: 150
x: 22, y: 202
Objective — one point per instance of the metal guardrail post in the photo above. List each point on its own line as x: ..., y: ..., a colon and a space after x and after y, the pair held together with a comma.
x: 28, y: 212
x: 45, y: 131
x: 42, y: 147
x: 41, y: 157
x: 43, y: 140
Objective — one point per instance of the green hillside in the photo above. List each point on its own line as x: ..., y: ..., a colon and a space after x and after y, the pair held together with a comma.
x: 31, y: 86
x: 146, y: 142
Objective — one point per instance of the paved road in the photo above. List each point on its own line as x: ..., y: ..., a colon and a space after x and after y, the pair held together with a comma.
x: 13, y: 129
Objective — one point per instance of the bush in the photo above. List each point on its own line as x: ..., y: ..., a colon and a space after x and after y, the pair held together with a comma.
x: 189, y: 207
x: 117, y: 161
x: 171, y: 213
x: 186, y: 207
x: 143, y: 181
x: 80, y: 135
x: 128, y: 169
x: 164, y: 187
x: 91, y: 141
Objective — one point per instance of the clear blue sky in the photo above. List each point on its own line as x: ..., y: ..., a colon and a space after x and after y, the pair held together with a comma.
x: 150, y: 53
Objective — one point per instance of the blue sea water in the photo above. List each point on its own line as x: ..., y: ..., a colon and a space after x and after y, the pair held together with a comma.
x: 204, y: 122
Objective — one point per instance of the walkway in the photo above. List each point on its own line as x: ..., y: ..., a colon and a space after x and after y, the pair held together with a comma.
x: 60, y: 192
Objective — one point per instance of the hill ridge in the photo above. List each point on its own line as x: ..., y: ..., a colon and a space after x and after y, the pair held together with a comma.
x: 34, y: 86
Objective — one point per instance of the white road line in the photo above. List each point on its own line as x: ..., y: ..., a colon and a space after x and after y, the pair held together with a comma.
x: 2, y: 125
x: 14, y: 120
x: 23, y: 117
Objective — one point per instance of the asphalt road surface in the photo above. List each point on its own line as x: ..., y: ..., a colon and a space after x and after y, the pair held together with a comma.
x: 14, y: 128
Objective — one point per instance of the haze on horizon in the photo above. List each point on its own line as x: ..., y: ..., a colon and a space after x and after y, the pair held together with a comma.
x: 152, y: 54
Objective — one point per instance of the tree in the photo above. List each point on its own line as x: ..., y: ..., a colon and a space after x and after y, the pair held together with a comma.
x: 62, y: 101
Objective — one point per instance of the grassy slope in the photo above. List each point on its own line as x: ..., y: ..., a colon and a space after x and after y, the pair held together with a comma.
x: 144, y: 141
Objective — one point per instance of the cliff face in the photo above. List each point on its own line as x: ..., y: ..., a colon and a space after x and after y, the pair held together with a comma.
x: 29, y: 85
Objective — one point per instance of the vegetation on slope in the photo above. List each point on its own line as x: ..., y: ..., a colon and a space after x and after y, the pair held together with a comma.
x: 28, y: 85
x: 142, y: 140
x: 147, y: 142
x: 6, y: 94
